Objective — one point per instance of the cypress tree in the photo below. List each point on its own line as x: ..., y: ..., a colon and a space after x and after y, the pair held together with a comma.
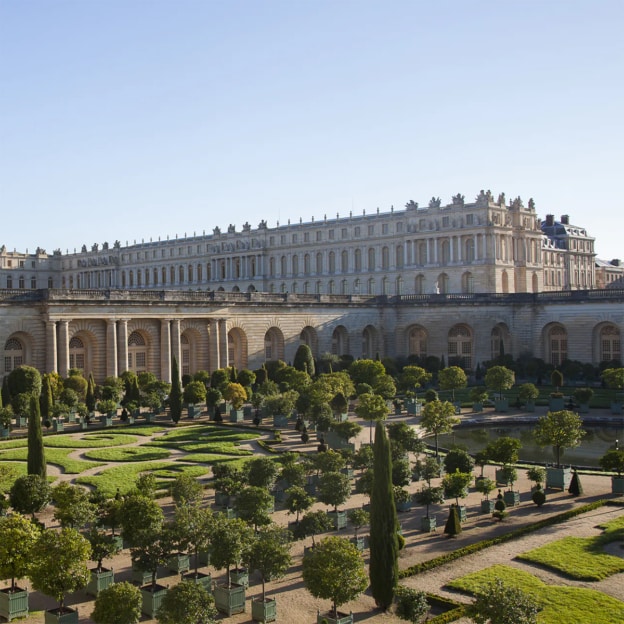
x: 304, y: 360
x: 90, y: 398
x: 47, y: 399
x: 36, y: 463
x: 135, y: 392
x: 384, y: 543
x: 6, y: 395
x: 175, y: 396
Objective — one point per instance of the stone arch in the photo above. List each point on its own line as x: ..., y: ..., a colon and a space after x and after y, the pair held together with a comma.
x: 607, y: 343
x: 443, y: 284
x: 309, y: 336
x: 190, y: 347
x: 416, y: 341
x: 137, y: 352
x: 370, y: 342
x: 340, y: 341
x: 17, y: 351
x: 500, y: 340
x: 274, y: 344
x: 237, y: 348
x: 460, y: 346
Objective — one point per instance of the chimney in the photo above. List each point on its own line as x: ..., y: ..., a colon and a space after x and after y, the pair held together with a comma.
x: 615, y: 262
x: 565, y: 219
x: 550, y: 219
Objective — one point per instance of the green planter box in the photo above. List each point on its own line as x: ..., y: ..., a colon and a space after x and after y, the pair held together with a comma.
x: 229, y: 600
x: 617, y: 485
x: 13, y: 604
x: 107, y: 421
x: 141, y: 577
x: 617, y: 408
x: 280, y: 421
x: 511, y: 498
x: 203, y: 578
x: 69, y: 616
x: 4, y: 432
x: 179, y: 563
x: 583, y: 408
x: 57, y: 426
x: 248, y: 412
x: 194, y: 411
x: 339, y: 519
x: 204, y: 557
x: 236, y: 416
x: 428, y: 524
x: 21, y: 421
x: 403, y: 505
x: 338, y: 618
x: 500, y: 477
x: 222, y: 500
x: 240, y: 576
x: 477, y: 407
x: 263, y: 610
x: 99, y: 581
x: 150, y: 417
x: 558, y: 478
x: 529, y: 406
x: 360, y: 542
x: 556, y: 404
x: 152, y: 598
x: 413, y: 407
x: 487, y: 506
x: 501, y: 405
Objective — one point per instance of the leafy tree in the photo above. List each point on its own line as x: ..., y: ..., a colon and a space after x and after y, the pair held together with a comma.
x: 485, y: 486
x: 30, y: 494
x: 458, y: 459
x: 219, y: 379
x: 192, y: 528
x: 146, y: 484
x: 235, y: 394
x: 405, y: 437
x: 73, y: 507
x: 269, y: 553
x: 412, y: 604
x: 613, y: 461
x: 141, y: 517
x: 154, y: 547
x: 313, y: 523
x: 186, y: 490
x: 334, y: 570
x: 561, y: 430
x: 304, y: 360
x: 103, y: 546
x: 60, y: 563
x: 194, y: 392
x: 47, y: 398
x: 253, y: 505
x: 385, y: 387
x: 120, y: 603
x: 456, y: 485
x: 366, y: 371
x: 384, y: 545
x: 527, y: 392
x: 213, y: 397
x: 330, y: 461
x: 261, y: 472
x: 19, y: 536
x: 413, y: 377
x: 24, y: 380
x: 298, y: 500
x: 90, y: 396
x: 334, y: 488
x: 36, y: 463
x: 499, y: 378
x: 292, y: 473
x: 363, y: 457
x: 438, y: 417
x: 339, y: 403
x: 358, y: 517
x: 76, y: 382
x: 371, y: 407
x: 452, y: 378
x: 500, y: 603
x: 347, y: 429
x: 187, y: 603
x: 175, y: 397
x: 503, y: 450
x: 231, y: 539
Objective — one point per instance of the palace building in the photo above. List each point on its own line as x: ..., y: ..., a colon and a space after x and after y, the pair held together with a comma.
x: 454, y: 280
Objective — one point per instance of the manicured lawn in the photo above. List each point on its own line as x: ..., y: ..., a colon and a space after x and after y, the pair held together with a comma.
x: 226, y: 448
x: 209, y: 458
x: 581, y: 558
x: 9, y: 471
x: 128, y: 454
x: 56, y: 456
x: 11, y: 444
x: 207, y: 433
x: 96, y: 440
x: 141, y: 430
x: 559, y: 604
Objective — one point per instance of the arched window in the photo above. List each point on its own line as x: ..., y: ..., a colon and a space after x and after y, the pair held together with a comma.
x: 200, y: 275
x: 164, y: 276
x: 340, y: 341
x: 186, y: 355
x: 237, y: 348
x: 399, y: 285
x: 77, y: 353
x: 443, y: 283
x: 123, y: 279
x: 190, y: 273
x: 331, y: 287
x: 460, y: 347
x: 274, y: 344
x: 306, y: 288
x: 369, y: 342
x: 209, y: 271
x: 357, y: 286
x: 610, y: 344
x: 505, y: 282
x: 557, y: 344
x: 422, y: 253
x: 467, y: 282
x: 13, y: 354
x: 371, y: 286
x: 344, y: 287
x: 499, y: 341
x: 137, y: 352
x: 419, y: 284
x: 272, y: 267
x: 417, y: 342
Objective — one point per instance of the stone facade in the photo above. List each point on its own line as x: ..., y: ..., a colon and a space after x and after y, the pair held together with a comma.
x: 108, y: 332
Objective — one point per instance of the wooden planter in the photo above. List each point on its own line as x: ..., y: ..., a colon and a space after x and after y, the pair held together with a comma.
x: 330, y: 618
x: 152, y: 598
x: 141, y: 577
x: 617, y: 407
x: 202, y: 578
x: 501, y: 405
x: 221, y: 499
x: 179, y: 563
x: 240, y: 576
x: 67, y: 616
x: 4, y: 432
x: 149, y: 417
x: 57, y: 426
x: 107, y: 420
x: 339, y: 518
x: 236, y: 416
x: 100, y: 580
x: 403, y: 505
x: 21, y: 421
x: 617, y: 485
x: 360, y: 542
x: 229, y: 600
x: 529, y: 406
x: 487, y: 506
x: 511, y: 498
x: 193, y: 411
x: 558, y: 478
x: 477, y: 407
x: 428, y: 524
x: 556, y: 404
x: 13, y: 604
x: 280, y: 421
x: 263, y: 610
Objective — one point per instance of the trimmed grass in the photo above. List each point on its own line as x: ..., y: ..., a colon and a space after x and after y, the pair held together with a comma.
x: 208, y: 458
x: 56, y: 456
x: 224, y: 448
x: 129, y: 454
x: 123, y: 477
x: 207, y: 433
x: 141, y: 430
x: 9, y: 471
x: 559, y: 604
x: 11, y: 444
x: 92, y: 441
x: 579, y: 558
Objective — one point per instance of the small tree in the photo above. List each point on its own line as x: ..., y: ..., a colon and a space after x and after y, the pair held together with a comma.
x: 614, y: 378
x: 575, y: 488
x: 186, y: 490
x: 313, y: 523
x: 192, y: 528
x: 412, y: 604
x: 19, y: 536
x: 269, y: 553
x: 73, y: 507
x: 230, y: 543
x: 561, y: 430
x: 485, y: 486
x: 120, y: 603
x: 36, y: 463
x: 30, y: 494
x: 536, y: 474
x: 452, y: 378
x: 334, y: 488
x: 498, y: 603
x: 613, y: 461
x: 141, y: 517
x: 298, y: 500
x: 66, y: 552
x: 371, y: 407
x: 261, y: 472
x: 253, y: 505
x: 187, y: 603
x: 358, y: 517
x: 175, y: 396
x: 194, y: 392
x: 499, y: 378
x: 103, y: 546
x: 527, y: 392
x: 458, y: 459
x: 335, y: 571
x: 438, y: 417
x: 304, y: 360
x: 456, y: 485
x: 235, y: 394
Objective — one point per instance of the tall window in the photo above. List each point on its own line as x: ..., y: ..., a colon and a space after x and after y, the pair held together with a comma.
x: 344, y: 262
x: 186, y: 354
x: 610, y: 344
x: 558, y: 345
x: 417, y: 342
x: 371, y: 259
x: 13, y: 354
x: 460, y: 347
x: 77, y: 353
x: 137, y: 352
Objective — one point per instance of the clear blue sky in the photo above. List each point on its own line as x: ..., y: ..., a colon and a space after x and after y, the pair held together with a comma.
x: 127, y: 119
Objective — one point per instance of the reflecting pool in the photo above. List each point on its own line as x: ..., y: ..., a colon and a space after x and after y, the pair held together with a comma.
x: 597, y: 441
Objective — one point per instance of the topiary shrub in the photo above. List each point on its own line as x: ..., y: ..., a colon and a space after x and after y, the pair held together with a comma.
x: 538, y: 497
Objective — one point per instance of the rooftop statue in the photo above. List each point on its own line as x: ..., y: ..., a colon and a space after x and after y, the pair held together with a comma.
x: 435, y: 202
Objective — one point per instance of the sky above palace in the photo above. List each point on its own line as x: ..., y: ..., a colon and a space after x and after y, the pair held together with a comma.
x: 140, y: 119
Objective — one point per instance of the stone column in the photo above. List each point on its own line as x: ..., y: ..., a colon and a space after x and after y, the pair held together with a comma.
x: 111, y: 348
x: 123, y: 345
x: 63, y: 347
x: 223, y: 345
x: 176, y: 346
x: 165, y: 350
x: 213, y: 345
x: 51, y: 347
